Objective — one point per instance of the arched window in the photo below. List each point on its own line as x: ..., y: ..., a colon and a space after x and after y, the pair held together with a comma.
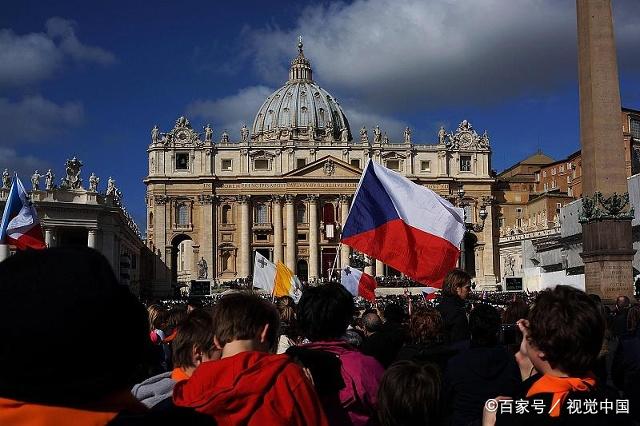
x: 262, y: 213
x: 183, y: 214
x: 301, y: 213
x: 226, y: 214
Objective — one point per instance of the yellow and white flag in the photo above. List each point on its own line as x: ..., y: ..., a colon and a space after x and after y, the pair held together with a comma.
x: 286, y: 284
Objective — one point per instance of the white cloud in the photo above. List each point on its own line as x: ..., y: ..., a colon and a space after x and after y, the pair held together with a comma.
x: 396, y: 54
x: 30, y: 58
x: 64, y: 30
x: 23, y: 165
x: 35, y: 119
x: 231, y: 112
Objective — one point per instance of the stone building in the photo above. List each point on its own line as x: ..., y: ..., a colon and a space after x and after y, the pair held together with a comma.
x: 72, y: 214
x: 284, y: 187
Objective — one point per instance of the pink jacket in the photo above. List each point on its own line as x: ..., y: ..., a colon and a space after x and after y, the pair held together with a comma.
x: 361, y: 375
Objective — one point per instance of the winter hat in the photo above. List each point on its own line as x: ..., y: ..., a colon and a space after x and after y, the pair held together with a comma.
x: 54, y: 305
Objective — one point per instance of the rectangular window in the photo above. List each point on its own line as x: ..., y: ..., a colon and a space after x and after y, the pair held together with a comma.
x: 301, y: 162
x: 261, y: 164
x: 302, y: 237
x: 465, y: 163
x: 544, y: 173
x: 355, y: 163
x: 561, y: 169
x: 425, y: 166
x: 393, y: 164
x: 262, y: 237
x: 182, y: 161
x: 635, y: 128
x: 227, y: 165
x: 537, y: 177
x: 518, y: 210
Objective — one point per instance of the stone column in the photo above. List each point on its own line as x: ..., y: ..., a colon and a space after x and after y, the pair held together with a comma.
x: 344, y: 212
x: 607, y: 241
x: 48, y: 237
x: 313, y: 236
x: 245, y: 235
x: 276, y: 203
x: 379, y: 268
x: 290, y: 258
x: 368, y: 269
x: 91, y: 238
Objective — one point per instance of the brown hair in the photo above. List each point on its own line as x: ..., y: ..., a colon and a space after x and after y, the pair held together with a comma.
x: 568, y: 326
x: 157, y: 317
x: 425, y: 326
x: 195, y: 331
x: 456, y: 278
x: 242, y: 316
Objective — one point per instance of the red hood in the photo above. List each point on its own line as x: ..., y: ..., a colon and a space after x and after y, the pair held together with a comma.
x: 249, y: 387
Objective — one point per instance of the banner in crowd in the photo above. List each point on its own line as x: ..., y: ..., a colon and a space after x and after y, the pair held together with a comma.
x: 358, y: 283
x: 405, y: 225
x: 20, y: 225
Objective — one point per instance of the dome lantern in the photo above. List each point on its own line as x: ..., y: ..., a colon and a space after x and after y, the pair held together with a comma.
x: 300, y: 67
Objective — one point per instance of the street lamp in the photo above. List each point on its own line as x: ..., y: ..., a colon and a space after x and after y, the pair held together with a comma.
x: 468, y: 222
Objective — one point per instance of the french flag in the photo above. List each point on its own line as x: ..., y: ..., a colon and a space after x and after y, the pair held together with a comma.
x: 20, y: 225
x: 358, y: 283
x: 405, y: 225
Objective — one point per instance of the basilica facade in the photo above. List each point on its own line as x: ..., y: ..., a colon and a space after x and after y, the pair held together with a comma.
x: 283, y: 188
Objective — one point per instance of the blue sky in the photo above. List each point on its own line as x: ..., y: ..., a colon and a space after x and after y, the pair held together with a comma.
x: 91, y: 78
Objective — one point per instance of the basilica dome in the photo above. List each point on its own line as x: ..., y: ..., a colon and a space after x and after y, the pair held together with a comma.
x: 301, y: 110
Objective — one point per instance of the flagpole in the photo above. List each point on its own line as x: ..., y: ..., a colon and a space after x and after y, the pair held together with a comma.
x: 335, y: 261
x: 4, y: 252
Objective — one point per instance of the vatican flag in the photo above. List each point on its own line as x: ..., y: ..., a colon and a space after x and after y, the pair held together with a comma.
x: 264, y: 273
x: 286, y: 284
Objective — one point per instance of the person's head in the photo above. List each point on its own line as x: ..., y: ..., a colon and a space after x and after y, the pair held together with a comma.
x: 194, y: 342
x: 622, y: 302
x: 393, y: 313
x: 174, y: 317
x: 633, y: 318
x: 425, y: 326
x: 247, y: 317
x: 193, y: 303
x: 515, y: 311
x: 484, y: 325
x: 353, y: 337
x: 564, y: 332
x: 371, y: 323
x: 324, y: 312
x: 55, y: 307
x: 408, y: 394
x: 457, y: 283
x: 157, y: 317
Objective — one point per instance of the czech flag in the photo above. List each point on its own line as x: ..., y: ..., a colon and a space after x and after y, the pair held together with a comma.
x: 429, y: 293
x: 358, y: 283
x: 20, y: 225
x: 405, y: 225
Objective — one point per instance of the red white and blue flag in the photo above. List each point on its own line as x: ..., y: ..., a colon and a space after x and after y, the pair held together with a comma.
x: 358, y: 283
x: 405, y: 225
x: 20, y: 225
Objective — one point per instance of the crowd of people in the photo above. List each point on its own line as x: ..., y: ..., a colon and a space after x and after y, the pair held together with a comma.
x: 79, y: 349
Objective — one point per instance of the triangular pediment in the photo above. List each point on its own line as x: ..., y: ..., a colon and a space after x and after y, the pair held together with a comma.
x: 326, y: 167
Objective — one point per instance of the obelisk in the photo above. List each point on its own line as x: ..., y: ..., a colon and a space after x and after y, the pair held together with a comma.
x: 606, y: 228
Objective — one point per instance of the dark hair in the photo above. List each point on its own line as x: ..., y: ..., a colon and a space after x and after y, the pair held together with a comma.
x: 425, y: 326
x: 456, y: 278
x: 408, y: 394
x: 195, y: 331
x: 242, y: 316
x: 371, y: 322
x: 484, y: 325
x: 515, y: 311
x: 568, y: 327
x: 324, y: 312
x: 622, y: 302
x: 393, y: 313
x: 175, y: 316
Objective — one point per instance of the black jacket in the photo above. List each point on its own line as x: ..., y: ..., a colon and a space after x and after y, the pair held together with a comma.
x: 625, y: 371
x: 454, y: 316
x: 385, y: 344
x: 475, y: 375
x: 437, y: 354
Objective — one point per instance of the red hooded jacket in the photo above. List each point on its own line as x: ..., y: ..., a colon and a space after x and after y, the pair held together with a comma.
x: 252, y: 388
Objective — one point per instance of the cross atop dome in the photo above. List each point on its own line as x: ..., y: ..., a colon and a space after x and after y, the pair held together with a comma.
x: 300, y: 66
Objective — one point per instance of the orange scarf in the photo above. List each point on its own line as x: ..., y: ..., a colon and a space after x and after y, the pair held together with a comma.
x: 560, y: 388
x: 179, y: 375
x: 19, y: 413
